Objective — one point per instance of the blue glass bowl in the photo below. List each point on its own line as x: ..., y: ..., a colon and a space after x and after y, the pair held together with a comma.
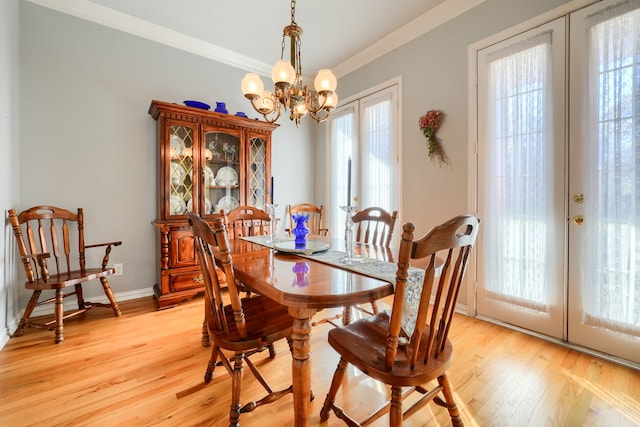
x: 197, y: 104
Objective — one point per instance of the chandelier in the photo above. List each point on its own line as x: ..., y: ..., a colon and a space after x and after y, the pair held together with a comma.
x: 289, y: 92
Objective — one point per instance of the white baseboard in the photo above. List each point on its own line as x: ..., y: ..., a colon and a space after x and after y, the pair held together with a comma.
x: 70, y: 304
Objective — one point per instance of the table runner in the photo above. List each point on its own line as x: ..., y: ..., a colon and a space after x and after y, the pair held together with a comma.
x: 382, y: 270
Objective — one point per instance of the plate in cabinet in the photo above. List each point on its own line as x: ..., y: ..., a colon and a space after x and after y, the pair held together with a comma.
x: 177, y: 174
x: 227, y: 203
x: 209, y: 176
x: 227, y: 176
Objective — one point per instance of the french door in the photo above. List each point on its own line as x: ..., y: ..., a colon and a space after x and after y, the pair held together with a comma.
x: 364, y: 133
x: 521, y: 174
x: 604, y: 181
x: 560, y: 199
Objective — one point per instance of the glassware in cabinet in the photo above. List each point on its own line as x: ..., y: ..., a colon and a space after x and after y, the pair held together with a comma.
x: 222, y: 170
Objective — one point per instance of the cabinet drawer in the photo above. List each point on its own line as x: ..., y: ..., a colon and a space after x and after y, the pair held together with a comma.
x: 186, y: 280
x: 190, y: 280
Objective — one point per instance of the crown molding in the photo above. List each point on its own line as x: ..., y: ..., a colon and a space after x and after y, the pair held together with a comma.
x: 92, y: 12
x: 445, y: 11
x: 107, y: 17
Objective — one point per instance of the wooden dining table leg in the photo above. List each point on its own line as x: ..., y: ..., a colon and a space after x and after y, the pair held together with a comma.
x: 301, y: 364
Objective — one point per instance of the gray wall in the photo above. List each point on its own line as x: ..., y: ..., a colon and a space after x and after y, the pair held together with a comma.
x: 86, y: 138
x: 9, y: 160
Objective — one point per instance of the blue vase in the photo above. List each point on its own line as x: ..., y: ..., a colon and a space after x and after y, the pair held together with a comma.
x: 300, y: 230
x: 221, y: 107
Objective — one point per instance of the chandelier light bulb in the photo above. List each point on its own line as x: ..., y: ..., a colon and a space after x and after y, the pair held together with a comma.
x: 329, y: 101
x: 283, y: 72
x: 252, y: 85
x: 301, y: 109
x: 266, y: 102
x: 325, y: 81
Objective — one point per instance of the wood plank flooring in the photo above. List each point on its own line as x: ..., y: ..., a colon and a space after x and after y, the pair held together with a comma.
x: 146, y: 369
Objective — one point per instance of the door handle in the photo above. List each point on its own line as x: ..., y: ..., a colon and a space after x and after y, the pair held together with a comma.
x: 578, y: 220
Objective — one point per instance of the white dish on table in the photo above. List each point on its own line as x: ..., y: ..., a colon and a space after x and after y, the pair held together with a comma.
x: 311, y: 247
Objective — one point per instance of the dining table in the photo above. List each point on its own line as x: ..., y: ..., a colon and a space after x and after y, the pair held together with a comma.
x: 306, y: 282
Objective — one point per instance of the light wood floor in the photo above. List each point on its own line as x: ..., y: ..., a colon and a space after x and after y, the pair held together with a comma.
x: 146, y: 368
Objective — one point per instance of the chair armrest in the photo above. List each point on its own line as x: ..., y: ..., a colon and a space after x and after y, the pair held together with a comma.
x: 97, y: 245
x: 107, y: 251
x: 41, y: 261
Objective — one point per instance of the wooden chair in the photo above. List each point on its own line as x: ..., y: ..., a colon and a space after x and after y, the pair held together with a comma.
x: 377, y: 345
x: 247, y: 221
x: 315, y: 218
x: 245, y: 326
x: 374, y: 226
x: 44, y: 239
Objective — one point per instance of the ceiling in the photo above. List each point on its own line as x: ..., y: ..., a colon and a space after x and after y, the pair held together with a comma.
x: 338, y: 34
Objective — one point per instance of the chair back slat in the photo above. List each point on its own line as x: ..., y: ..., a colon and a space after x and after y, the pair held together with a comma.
x: 375, y: 225
x: 55, y: 248
x: 47, y: 230
x: 209, y: 240
x: 450, y: 242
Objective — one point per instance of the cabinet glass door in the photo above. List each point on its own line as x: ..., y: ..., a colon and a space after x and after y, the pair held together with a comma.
x: 257, y: 191
x: 181, y: 170
x: 221, y: 172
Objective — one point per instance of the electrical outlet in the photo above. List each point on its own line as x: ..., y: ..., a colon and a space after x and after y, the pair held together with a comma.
x: 118, y: 268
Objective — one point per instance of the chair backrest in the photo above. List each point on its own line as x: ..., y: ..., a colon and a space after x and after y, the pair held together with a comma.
x: 375, y: 225
x: 44, y: 232
x: 315, y: 218
x: 207, y: 241
x: 247, y: 221
x: 452, y: 242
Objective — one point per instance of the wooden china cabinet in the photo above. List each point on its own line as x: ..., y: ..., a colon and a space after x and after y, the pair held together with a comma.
x: 207, y: 162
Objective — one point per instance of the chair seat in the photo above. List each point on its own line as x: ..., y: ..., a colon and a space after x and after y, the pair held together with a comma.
x: 362, y: 344
x: 71, y: 278
x: 266, y: 323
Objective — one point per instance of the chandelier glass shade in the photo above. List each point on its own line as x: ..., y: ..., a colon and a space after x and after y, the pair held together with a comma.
x: 289, y: 91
